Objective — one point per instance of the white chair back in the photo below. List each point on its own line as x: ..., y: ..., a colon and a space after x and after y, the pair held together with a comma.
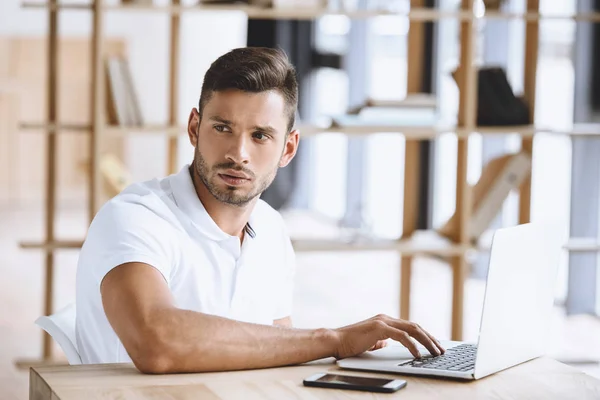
x: 61, y: 326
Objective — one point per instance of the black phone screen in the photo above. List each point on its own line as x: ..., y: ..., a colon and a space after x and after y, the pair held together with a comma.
x: 354, y: 380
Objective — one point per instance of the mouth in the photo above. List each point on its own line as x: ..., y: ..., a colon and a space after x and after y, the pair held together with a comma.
x: 236, y: 174
x: 234, y: 179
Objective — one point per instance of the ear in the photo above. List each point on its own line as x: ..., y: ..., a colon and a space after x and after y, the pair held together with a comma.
x: 290, y: 148
x: 193, y: 126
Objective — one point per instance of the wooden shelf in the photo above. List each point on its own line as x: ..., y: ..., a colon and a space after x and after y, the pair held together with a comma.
x: 109, y: 130
x: 38, y: 126
x: 25, y: 364
x: 411, y: 132
x: 531, y: 16
x: 145, y: 129
x: 421, y: 243
x: 415, y: 14
x: 308, y: 130
x: 531, y: 130
x: 430, y: 132
x: 585, y: 130
x: 67, y: 6
x: 523, y: 130
x: 582, y: 245
x: 254, y: 12
x: 53, y: 245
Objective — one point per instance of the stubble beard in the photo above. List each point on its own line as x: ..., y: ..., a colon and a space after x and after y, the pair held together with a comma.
x: 231, y: 195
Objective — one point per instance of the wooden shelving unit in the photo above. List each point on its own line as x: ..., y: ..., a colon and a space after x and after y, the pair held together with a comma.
x: 412, y: 242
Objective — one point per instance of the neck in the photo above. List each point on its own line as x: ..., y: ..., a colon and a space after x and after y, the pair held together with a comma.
x: 229, y: 218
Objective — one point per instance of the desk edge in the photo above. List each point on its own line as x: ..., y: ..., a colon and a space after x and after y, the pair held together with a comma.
x: 39, y: 388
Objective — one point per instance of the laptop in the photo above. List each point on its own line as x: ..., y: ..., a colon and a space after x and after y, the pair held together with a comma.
x: 516, y: 318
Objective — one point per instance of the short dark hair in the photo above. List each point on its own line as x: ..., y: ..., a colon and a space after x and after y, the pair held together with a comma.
x: 255, y: 70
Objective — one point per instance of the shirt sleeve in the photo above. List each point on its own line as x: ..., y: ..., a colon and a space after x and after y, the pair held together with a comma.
x: 286, y: 286
x: 127, y: 231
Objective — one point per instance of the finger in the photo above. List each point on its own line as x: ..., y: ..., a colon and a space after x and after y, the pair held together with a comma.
x: 376, y: 346
x: 425, y: 339
x: 419, y: 334
x: 437, y: 343
x: 379, y: 345
x: 405, y: 339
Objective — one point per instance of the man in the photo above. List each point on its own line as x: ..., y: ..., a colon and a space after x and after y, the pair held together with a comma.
x: 193, y: 272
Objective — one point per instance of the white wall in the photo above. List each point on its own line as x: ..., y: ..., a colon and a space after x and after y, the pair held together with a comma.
x: 204, y: 36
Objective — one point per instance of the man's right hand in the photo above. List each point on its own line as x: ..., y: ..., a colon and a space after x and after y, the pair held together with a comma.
x: 355, y: 339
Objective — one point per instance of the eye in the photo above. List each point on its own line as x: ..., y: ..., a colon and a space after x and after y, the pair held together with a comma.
x: 260, y: 136
x: 221, y: 128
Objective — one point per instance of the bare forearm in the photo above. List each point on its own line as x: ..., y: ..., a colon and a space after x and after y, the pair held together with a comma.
x: 161, y: 338
x: 198, y: 342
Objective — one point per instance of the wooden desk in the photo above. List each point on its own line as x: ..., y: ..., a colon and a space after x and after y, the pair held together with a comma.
x: 541, y: 379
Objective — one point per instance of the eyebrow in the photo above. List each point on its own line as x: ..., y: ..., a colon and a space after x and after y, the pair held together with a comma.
x: 221, y: 120
x: 267, y: 128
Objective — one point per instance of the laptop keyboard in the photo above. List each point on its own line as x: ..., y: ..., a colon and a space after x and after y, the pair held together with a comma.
x: 459, y: 358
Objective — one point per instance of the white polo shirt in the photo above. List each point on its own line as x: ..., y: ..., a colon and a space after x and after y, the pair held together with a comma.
x: 164, y: 224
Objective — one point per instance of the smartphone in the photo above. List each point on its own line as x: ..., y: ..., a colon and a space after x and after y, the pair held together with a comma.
x: 363, y: 383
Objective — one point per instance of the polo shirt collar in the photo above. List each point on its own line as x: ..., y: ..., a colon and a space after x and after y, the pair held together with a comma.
x: 187, y: 200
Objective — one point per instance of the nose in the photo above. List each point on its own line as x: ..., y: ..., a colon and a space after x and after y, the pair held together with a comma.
x: 238, y: 150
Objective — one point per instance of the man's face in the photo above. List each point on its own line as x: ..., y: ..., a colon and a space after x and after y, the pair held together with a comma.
x: 240, y: 143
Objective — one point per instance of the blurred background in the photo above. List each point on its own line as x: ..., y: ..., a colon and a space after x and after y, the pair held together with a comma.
x: 372, y: 81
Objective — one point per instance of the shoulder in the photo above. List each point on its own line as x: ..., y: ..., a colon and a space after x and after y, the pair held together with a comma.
x: 136, y: 225
x: 141, y: 212
x: 144, y: 201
